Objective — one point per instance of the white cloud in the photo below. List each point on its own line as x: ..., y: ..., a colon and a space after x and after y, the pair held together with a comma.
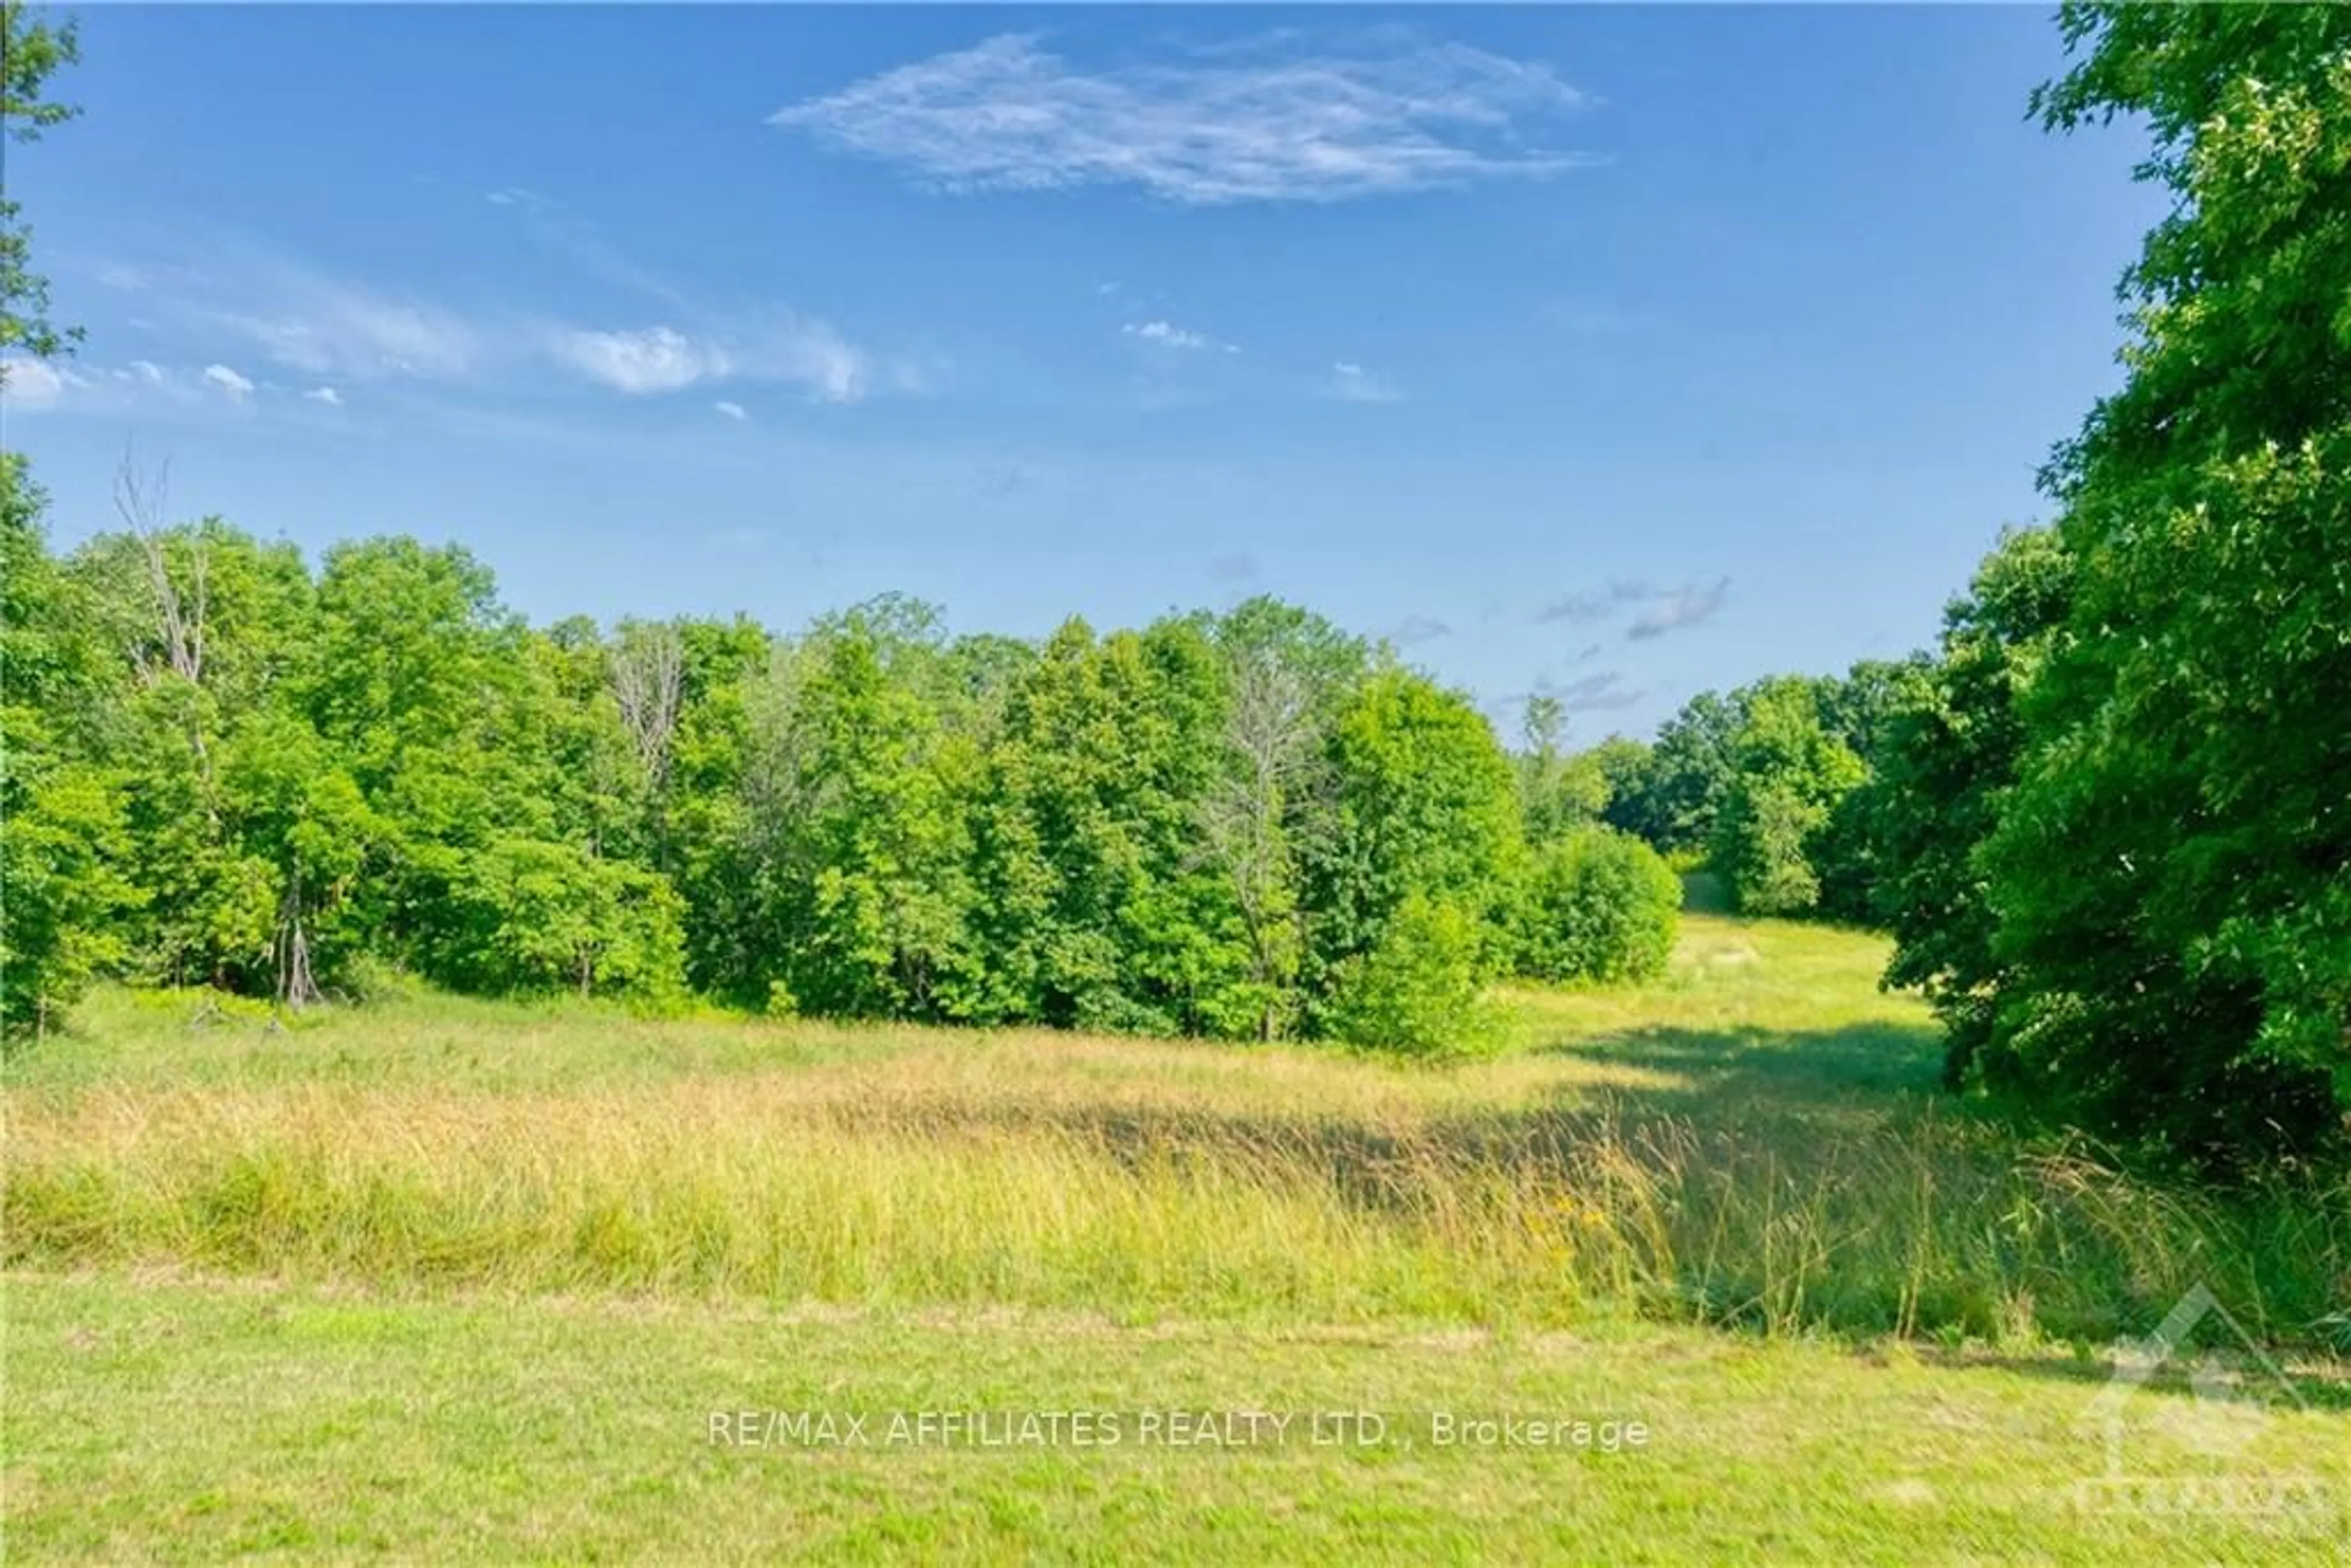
x: 732, y: 410
x: 784, y: 349
x: 1167, y: 335
x: 232, y: 386
x: 1247, y: 123
x: 658, y: 360
x: 327, y: 395
x: 1350, y: 383
x: 334, y: 333
x: 26, y: 383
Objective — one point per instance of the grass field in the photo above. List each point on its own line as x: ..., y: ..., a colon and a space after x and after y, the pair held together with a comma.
x: 437, y: 1280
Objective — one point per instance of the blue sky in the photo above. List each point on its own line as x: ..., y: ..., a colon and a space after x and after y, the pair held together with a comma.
x: 1615, y: 352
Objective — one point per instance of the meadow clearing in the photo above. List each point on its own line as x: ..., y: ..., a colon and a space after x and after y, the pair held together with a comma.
x: 436, y: 1278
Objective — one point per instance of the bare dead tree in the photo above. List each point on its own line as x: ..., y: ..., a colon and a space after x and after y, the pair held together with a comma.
x: 648, y: 682
x: 178, y: 614
x: 1245, y: 816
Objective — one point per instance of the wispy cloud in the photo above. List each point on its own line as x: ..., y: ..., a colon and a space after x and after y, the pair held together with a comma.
x: 327, y: 395
x: 732, y: 410
x: 811, y: 354
x: 26, y: 384
x: 1681, y: 608
x: 1258, y: 123
x: 582, y: 243
x: 230, y: 385
x: 304, y: 320
x: 1575, y: 609
x: 1413, y: 630
x: 1604, y: 692
x: 1167, y: 335
x: 1350, y: 383
x: 331, y: 329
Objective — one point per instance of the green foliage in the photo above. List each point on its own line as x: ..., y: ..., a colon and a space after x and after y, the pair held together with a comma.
x: 1426, y: 806
x: 2171, y: 872
x: 229, y: 769
x: 551, y: 917
x: 1673, y: 796
x: 1557, y: 793
x: 866, y: 871
x: 2118, y: 827
x: 30, y: 54
x: 1787, y: 775
x: 1948, y: 757
x: 1419, y: 989
x: 63, y: 897
x: 1600, y: 905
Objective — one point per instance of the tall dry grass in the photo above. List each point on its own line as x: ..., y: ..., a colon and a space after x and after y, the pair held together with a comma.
x: 1752, y: 1142
x: 790, y: 1187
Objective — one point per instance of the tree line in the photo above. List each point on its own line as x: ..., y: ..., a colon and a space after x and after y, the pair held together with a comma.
x: 228, y: 768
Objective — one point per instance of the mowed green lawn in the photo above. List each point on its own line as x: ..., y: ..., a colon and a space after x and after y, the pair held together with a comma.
x: 435, y: 1280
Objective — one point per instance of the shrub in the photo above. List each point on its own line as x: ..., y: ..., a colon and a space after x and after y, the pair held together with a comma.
x: 1419, y: 989
x: 1599, y: 904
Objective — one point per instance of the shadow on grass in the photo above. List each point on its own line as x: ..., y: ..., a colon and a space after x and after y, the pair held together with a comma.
x: 1743, y: 1110
x: 1778, y: 1180
x: 1767, y: 1091
x: 1854, y: 1074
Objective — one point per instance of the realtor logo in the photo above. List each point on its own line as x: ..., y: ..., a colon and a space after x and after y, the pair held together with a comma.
x: 2234, y: 1391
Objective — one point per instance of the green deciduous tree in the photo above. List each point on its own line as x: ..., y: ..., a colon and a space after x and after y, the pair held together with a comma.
x: 2172, y: 871
x: 1427, y: 807
x: 1558, y: 792
x: 64, y: 896
x: 1419, y: 988
x: 1679, y: 793
x: 1787, y: 774
x: 1599, y: 905
x: 1948, y: 759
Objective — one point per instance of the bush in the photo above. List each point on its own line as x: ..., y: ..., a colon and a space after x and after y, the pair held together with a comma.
x: 1599, y: 904
x: 1420, y: 989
